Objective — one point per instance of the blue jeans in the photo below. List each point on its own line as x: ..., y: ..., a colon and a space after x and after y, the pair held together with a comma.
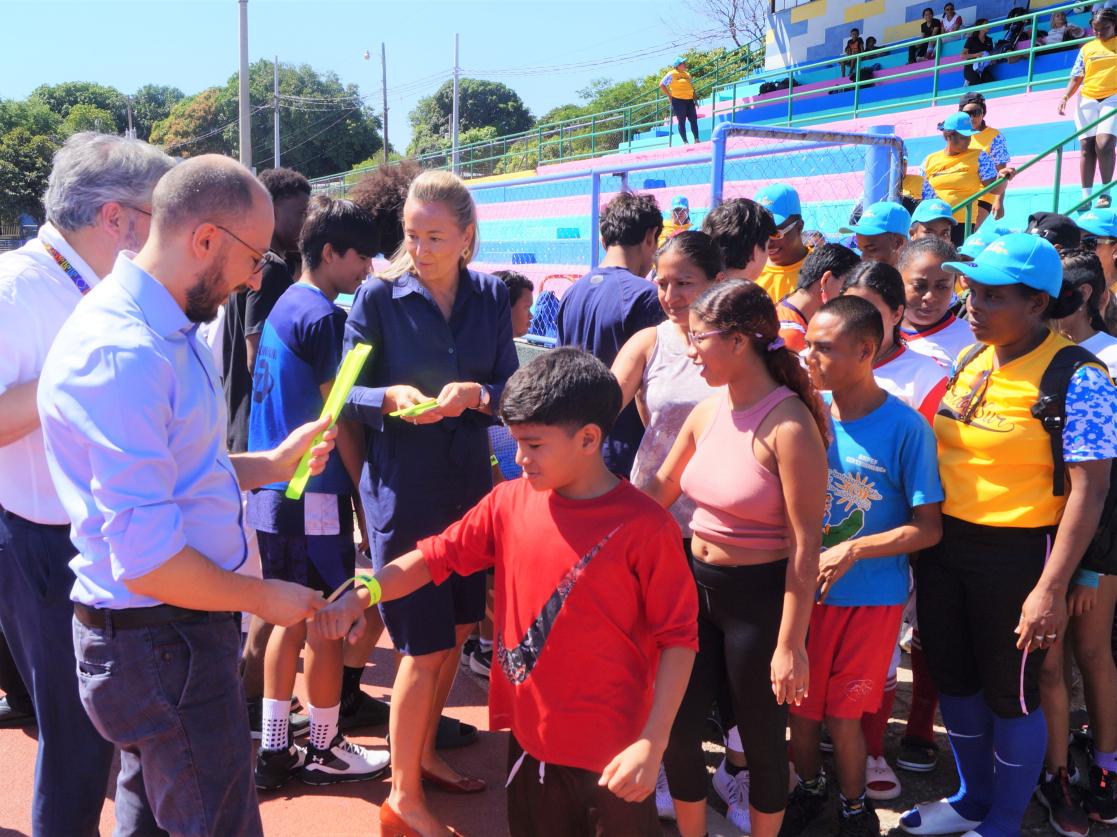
x: 170, y: 697
x: 73, y: 763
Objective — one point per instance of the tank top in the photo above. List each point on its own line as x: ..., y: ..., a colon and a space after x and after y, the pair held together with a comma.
x: 738, y: 501
x: 672, y: 389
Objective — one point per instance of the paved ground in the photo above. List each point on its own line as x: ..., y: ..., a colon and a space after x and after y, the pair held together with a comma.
x: 345, y: 810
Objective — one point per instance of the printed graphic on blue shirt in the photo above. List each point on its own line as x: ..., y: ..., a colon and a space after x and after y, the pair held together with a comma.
x: 881, y: 467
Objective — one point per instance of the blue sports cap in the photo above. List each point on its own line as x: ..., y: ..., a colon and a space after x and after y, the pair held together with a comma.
x: 680, y: 202
x: 959, y: 123
x: 1016, y: 259
x: 678, y: 60
x: 882, y: 217
x: 982, y: 238
x: 781, y: 200
x: 1099, y: 222
x: 931, y: 209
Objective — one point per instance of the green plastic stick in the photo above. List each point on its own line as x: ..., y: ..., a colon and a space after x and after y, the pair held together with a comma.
x: 415, y: 409
x: 346, y: 376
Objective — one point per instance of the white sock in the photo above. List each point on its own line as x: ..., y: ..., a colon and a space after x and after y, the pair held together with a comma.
x: 323, y: 725
x: 1086, y: 191
x: 486, y: 644
x: 275, y: 714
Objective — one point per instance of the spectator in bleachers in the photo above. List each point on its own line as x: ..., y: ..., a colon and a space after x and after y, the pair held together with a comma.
x: 870, y: 44
x: 961, y: 170
x: 786, y: 249
x: 1060, y: 30
x: 987, y: 138
x: 1095, y: 71
x: 978, y: 45
x: 679, y: 220
x: 933, y: 218
x: 602, y: 310
x: 741, y: 228
x: 678, y: 86
x: 881, y: 231
x: 853, y: 45
x: 928, y: 28
x: 951, y: 20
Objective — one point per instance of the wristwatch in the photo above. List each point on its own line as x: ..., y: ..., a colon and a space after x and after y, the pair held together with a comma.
x: 485, y: 397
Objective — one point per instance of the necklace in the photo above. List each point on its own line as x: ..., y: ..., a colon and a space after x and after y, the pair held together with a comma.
x: 69, y: 269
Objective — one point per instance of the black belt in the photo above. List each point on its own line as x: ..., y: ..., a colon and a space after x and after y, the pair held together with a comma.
x: 54, y: 527
x: 141, y: 617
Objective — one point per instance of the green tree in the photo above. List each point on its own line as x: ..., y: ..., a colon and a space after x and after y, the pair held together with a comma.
x: 481, y: 104
x: 150, y: 104
x: 60, y: 98
x: 24, y: 166
x: 194, y: 125
x: 84, y: 117
x: 37, y: 118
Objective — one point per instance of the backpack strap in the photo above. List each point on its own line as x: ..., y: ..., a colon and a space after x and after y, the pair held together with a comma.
x: 1051, y: 407
x: 965, y: 360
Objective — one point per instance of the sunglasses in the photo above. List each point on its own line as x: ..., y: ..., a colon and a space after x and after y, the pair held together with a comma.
x: 977, y: 395
x: 1090, y: 242
x: 785, y: 230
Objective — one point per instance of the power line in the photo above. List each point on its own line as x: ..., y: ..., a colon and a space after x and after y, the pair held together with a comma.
x: 210, y: 133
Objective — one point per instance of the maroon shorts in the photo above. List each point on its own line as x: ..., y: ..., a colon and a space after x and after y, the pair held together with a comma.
x: 849, y: 650
x: 558, y: 801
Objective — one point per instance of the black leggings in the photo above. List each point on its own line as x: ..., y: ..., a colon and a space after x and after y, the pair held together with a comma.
x: 739, y: 613
x: 972, y: 585
x: 685, y: 110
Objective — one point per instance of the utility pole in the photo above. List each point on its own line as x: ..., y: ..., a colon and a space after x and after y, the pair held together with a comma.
x: 275, y: 96
x: 384, y: 92
x: 245, y: 113
x: 454, y: 121
x: 131, y: 131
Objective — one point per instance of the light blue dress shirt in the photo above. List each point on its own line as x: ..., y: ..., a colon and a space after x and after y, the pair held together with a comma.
x: 134, y: 424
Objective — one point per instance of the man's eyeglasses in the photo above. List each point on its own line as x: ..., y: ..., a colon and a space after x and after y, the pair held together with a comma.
x: 260, y: 257
x: 693, y: 337
x: 785, y: 230
x: 1091, y: 242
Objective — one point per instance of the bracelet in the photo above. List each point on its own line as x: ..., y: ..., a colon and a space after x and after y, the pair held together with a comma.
x: 372, y: 585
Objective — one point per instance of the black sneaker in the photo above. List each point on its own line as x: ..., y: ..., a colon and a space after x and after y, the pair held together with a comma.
x: 342, y: 761
x: 917, y: 756
x: 1064, y: 813
x: 274, y: 768
x: 865, y: 823
x: 298, y: 724
x: 13, y: 714
x: 468, y: 647
x: 1101, y: 795
x: 481, y: 661
x: 359, y: 709
x: 824, y: 742
x: 803, y: 808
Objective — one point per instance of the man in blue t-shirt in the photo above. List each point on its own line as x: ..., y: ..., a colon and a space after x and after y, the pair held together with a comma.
x: 608, y: 305
x: 310, y: 540
x: 884, y: 501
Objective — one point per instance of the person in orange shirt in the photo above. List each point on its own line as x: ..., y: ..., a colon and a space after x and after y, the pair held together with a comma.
x: 820, y: 280
x: 678, y: 86
x: 786, y: 249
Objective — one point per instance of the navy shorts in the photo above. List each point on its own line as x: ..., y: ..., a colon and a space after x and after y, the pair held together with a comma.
x: 320, y: 562
x: 425, y: 621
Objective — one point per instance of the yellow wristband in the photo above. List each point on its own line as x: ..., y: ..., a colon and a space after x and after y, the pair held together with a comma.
x: 372, y: 585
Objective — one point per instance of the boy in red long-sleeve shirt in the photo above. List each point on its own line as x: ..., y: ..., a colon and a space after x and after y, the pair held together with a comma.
x: 595, y: 614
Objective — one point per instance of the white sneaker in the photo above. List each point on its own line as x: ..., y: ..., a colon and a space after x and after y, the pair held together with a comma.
x: 664, y: 804
x: 881, y: 782
x: 342, y: 761
x: 734, y: 792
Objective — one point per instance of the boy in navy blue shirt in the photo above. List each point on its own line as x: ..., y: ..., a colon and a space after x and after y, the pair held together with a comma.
x: 309, y: 541
x: 603, y: 309
x: 884, y: 501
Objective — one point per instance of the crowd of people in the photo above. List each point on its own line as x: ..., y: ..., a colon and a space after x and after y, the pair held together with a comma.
x: 754, y: 464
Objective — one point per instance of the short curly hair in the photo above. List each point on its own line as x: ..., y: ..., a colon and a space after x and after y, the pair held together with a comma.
x: 381, y: 194
x: 626, y: 219
x: 284, y: 183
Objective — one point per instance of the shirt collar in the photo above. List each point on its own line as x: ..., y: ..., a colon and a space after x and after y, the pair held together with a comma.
x: 409, y: 284
x: 159, y: 308
x: 49, y: 234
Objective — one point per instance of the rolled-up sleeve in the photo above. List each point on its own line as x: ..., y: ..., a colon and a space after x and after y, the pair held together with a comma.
x: 119, y: 407
x: 365, y: 403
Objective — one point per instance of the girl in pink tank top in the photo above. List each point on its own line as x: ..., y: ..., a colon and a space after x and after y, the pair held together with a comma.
x: 753, y: 460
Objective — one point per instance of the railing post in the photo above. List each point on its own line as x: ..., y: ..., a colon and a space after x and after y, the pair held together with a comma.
x: 595, y: 218
x: 935, y: 74
x: 1058, y: 176
x: 593, y: 134
x: 856, y: 82
x: 539, y: 146
x: 790, y: 89
x: 1031, y: 55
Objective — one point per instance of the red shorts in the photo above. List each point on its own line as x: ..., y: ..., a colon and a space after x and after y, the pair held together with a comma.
x: 849, y: 649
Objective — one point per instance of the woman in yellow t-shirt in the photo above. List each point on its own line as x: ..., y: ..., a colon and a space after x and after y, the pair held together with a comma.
x: 1095, y: 71
x: 679, y: 89
x: 993, y: 592
x: 961, y: 170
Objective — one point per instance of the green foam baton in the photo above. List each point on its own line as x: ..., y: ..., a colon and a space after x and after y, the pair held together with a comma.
x: 346, y: 376
x: 415, y: 409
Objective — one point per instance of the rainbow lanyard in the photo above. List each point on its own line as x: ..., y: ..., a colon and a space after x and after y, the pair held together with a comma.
x: 64, y: 263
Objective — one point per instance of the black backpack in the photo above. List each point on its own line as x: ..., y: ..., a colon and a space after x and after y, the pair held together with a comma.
x: 1051, y: 410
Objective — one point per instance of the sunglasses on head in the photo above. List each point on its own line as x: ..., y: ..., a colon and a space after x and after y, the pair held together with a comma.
x: 785, y: 230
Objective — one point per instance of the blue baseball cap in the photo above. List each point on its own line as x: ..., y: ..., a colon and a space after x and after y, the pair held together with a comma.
x: 982, y: 238
x: 679, y: 60
x: 1099, y: 222
x: 960, y: 123
x: 680, y: 202
x: 781, y: 200
x: 1016, y: 259
x: 931, y: 209
x: 882, y: 217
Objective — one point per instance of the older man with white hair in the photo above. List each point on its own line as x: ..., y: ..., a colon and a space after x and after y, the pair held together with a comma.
x: 98, y: 203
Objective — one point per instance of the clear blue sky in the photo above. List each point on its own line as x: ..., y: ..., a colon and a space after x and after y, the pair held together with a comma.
x: 192, y: 45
